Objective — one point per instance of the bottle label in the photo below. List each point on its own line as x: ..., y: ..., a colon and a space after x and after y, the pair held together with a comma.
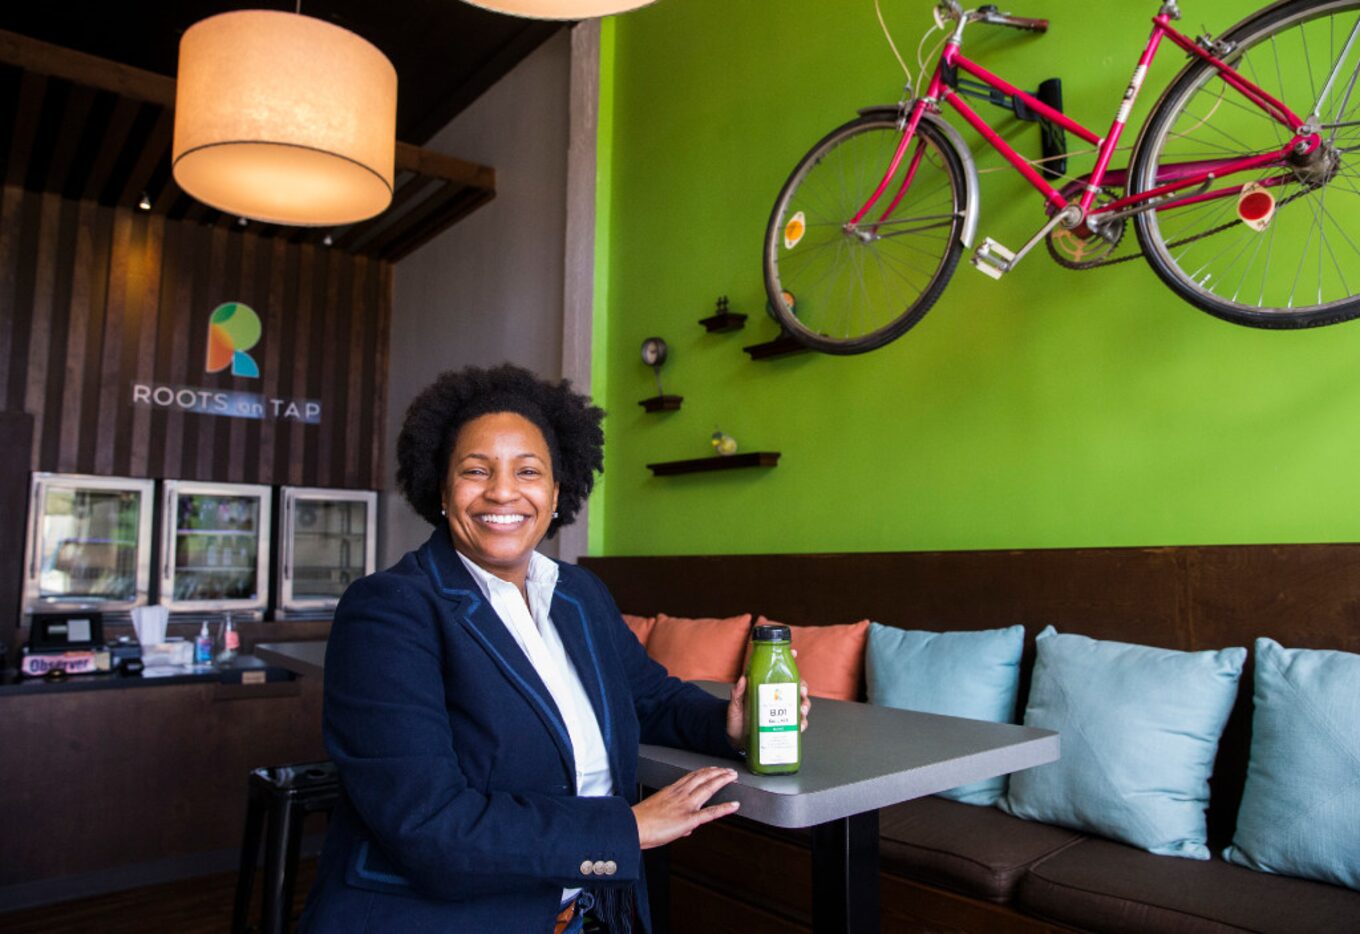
x: 232, y: 640
x: 777, y: 723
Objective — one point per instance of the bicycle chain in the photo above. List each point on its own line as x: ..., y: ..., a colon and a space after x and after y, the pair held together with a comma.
x: 1208, y: 233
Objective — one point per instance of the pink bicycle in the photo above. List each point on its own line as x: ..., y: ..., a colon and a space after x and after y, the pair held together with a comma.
x: 1243, y: 186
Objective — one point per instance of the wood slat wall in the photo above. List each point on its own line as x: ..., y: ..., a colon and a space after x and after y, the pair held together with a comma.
x: 94, y: 299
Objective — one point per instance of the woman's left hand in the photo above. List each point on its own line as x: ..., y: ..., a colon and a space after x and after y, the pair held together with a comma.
x: 736, y: 712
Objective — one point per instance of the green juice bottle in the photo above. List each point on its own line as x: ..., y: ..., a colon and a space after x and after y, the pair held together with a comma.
x: 774, y: 743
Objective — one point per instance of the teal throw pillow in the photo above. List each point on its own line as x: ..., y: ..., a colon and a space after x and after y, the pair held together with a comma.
x: 959, y: 674
x: 1139, y: 727
x: 1300, y: 812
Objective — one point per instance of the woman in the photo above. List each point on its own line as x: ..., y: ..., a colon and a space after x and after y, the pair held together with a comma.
x: 484, y: 704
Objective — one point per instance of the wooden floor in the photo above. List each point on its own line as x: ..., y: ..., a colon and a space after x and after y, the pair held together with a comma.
x: 191, y: 906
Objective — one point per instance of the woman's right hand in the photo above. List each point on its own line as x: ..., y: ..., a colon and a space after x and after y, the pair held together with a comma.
x: 674, y: 811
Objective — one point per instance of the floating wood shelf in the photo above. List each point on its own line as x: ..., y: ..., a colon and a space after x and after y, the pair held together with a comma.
x: 702, y: 464
x: 781, y: 346
x: 723, y: 322
x: 662, y: 403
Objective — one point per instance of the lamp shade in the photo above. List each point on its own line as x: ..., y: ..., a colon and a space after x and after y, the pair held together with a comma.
x: 285, y: 119
x: 560, y: 9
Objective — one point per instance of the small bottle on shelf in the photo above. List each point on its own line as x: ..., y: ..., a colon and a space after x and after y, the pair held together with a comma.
x: 231, y: 642
x: 203, y: 646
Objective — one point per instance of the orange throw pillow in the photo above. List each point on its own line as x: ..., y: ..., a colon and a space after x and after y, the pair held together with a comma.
x: 700, y: 649
x: 641, y: 626
x: 830, y: 658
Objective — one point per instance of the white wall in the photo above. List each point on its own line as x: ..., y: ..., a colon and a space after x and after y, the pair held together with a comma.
x: 489, y: 289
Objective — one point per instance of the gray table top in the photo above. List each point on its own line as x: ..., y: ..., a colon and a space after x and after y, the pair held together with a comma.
x: 859, y: 757
x: 856, y: 757
x: 303, y: 658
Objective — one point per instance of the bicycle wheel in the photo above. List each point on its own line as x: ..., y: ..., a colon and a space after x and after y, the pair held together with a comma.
x: 1302, y: 267
x: 858, y: 287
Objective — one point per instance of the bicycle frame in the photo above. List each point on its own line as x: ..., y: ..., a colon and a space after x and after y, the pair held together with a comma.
x: 1191, y: 175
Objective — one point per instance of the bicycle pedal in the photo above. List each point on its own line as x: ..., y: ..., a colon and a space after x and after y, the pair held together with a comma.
x: 993, y: 259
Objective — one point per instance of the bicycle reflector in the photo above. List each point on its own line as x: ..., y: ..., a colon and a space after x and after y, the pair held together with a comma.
x: 1255, y: 206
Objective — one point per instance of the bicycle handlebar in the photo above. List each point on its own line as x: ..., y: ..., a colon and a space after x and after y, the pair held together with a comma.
x: 990, y: 14
x: 953, y: 9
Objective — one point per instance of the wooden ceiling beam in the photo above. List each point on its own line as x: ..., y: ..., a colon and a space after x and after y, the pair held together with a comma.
x: 121, y: 122
x: 32, y: 89
x: 154, y: 149
x: 359, y: 234
x: 436, y: 215
x: 473, y: 199
x: 433, y: 164
x: 44, y: 58
x: 73, y: 129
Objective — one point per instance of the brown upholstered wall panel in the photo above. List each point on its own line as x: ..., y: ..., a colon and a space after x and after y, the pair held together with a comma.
x: 1182, y: 598
x: 95, y: 299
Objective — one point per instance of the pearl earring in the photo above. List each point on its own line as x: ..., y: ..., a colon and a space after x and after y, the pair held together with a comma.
x: 443, y: 511
x: 554, y: 513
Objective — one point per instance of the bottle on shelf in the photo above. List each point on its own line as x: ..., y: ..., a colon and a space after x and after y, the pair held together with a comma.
x: 231, y: 642
x: 203, y: 646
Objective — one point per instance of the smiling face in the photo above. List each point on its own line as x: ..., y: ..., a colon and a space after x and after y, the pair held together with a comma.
x: 499, y: 494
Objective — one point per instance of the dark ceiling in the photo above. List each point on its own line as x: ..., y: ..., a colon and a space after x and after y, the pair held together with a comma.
x: 446, y: 52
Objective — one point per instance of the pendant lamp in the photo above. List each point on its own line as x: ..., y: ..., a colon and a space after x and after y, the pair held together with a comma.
x: 560, y: 9
x: 285, y: 119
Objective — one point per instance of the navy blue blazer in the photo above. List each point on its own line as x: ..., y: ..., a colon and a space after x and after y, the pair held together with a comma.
x: 459, y: 811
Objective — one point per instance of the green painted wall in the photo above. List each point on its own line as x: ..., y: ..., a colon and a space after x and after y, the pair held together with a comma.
x: 1051, y: 409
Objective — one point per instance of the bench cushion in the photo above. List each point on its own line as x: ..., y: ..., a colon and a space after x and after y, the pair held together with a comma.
x: 1140, y: 728
x: 1300, y: 813
x: 958, y: 674
x: 705, y: 649
x: 977, y: 851
x: 1098, y: 885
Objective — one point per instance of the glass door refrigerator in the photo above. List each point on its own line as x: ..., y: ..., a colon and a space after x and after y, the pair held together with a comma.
x: 328, y: 538
x: 214, y: 549
x: 88, y: 545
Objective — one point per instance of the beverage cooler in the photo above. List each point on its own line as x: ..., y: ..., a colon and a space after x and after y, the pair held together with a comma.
x: 89, y: 544
x: 327, y: 539
x: 214, y: 548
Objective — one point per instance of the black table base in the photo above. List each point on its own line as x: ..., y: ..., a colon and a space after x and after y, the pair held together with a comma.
x: 844, y: 878
x: 845, y: 875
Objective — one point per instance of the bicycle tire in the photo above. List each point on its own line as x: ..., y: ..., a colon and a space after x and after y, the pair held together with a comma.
x: 1204, y: 253
x: 887, y: 300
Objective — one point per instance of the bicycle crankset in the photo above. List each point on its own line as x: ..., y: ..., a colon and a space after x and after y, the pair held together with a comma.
x: 1082, y: 248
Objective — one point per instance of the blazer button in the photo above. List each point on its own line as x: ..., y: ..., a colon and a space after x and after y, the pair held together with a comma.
x: 610, y: 867
x: 587, y: 867
x: 600, y: 867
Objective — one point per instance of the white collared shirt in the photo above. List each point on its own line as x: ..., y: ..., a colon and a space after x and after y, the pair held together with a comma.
x: 534, y: 632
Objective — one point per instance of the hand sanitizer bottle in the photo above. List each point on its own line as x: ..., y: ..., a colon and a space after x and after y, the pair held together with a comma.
x: 203, y: 646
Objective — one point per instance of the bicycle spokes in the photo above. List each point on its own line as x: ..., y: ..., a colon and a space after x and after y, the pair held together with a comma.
x: 1282, y: 235
x: 852, y: 279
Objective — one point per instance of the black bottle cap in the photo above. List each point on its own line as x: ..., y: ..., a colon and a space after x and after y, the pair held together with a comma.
x: 771, y: 632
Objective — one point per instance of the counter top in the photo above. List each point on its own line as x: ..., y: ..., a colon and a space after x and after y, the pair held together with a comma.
x: 246, y: 668
x: 303, y: 658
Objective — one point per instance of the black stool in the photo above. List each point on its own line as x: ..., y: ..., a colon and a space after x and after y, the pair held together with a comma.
x: 280, y: 798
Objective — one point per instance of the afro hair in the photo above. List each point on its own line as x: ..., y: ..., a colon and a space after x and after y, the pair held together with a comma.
x: 569, y: 422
